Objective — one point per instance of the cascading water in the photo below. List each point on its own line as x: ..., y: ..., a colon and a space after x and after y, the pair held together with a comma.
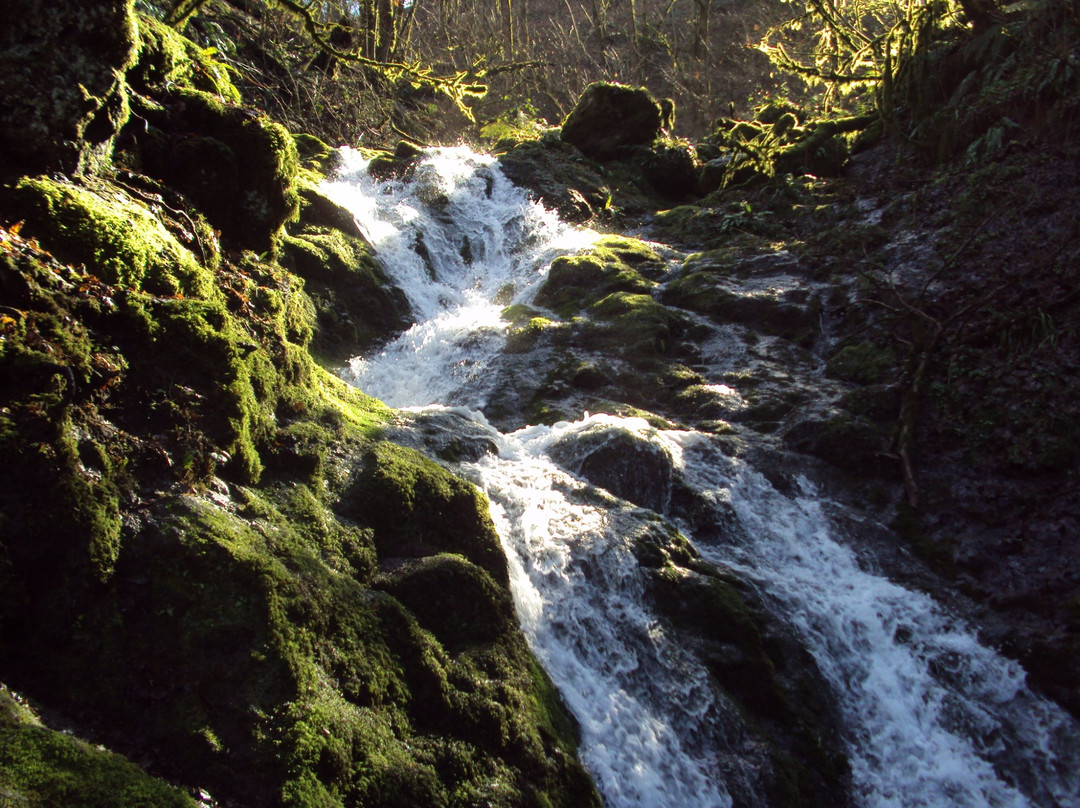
x: 931, y: 717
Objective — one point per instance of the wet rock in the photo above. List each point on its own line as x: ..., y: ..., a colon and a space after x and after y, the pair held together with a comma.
x: 452, y: 435
x: 623, y: 462
x: 765, y: 669
x: 560, y: 178
x: 61, y: 78
x: 609, y: 117
x: 849, y: 442
x: 761, y: 293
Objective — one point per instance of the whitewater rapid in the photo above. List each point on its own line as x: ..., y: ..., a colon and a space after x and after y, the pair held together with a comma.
x: 932, y: 718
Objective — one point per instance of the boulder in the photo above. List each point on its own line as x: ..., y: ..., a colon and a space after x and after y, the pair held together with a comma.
x: 556, y: 173
x: 624, y: 463
x: 671, y: 169
x: 610, y: 117
x: 61, y: 78
x: 237, y: 166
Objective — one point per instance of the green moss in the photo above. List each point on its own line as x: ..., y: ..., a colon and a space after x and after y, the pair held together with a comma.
x: 636, y: 325
x: 355, y: 305
x: 523, y: 339
x: 519, y: 313
x: 177, y: 466
x: 166, y: 58
x: 457, y: 601
x: 239, y: 169
x: 113, y: 234
x: 613, y: 264
x: 418, y: 508
x: 315, y: 156
x: 41, y: 767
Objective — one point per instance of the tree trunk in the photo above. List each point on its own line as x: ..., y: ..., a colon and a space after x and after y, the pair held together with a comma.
x: 701, y: 28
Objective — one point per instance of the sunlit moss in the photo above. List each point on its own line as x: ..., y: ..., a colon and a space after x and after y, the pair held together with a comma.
x: 112, y: 233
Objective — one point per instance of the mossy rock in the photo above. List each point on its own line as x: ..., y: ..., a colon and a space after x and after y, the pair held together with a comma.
x: 354, y: 302
x: 238, y: 167
x: 418, y: 509
x: 559, y: 177
x: 519, y: 314
x: 671, y: 168
x: 318, y: 211
x: 862, y: 363
x: 105, y: 227
x: 765, y: 310
x: 167, y: 58
x: 636, y: 326
x: 316, y: 156
x: 524, y: 338
x: 41, y: 767
x: 613, y: 264
x: 178, y: 467
x: 849, y: 442
x: 454, y: 599
x: 61, y: 77
x: 609, y: 117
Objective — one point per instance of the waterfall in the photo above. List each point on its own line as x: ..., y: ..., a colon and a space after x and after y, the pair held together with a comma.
x: 931, y: 717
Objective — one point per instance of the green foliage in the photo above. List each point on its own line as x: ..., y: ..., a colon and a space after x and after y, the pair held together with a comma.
x: 952, y: 78
x: 514, y: 126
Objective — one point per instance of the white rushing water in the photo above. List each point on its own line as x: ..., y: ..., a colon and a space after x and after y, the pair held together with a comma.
x: 932, y: 717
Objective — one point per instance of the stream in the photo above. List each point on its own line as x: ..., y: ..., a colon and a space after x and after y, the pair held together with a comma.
x: 929, y: 716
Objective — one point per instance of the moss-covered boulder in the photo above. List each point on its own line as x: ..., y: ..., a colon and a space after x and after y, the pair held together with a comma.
x: 61, y: 78
x: 166, y: 57
x: 112, y: 232
x: 613, y: 264
x: 417, y: 509
x: 355, y: 304
x: 787, y: 310
x: 559, y: 176
x: 862, y: 363
x: 609, y: 117
x: 238, y: 167
x: 206, y: 560
x: 671, y: 168
x: 41, y: 766
x: 635, y: 327
x: 850, y: 442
